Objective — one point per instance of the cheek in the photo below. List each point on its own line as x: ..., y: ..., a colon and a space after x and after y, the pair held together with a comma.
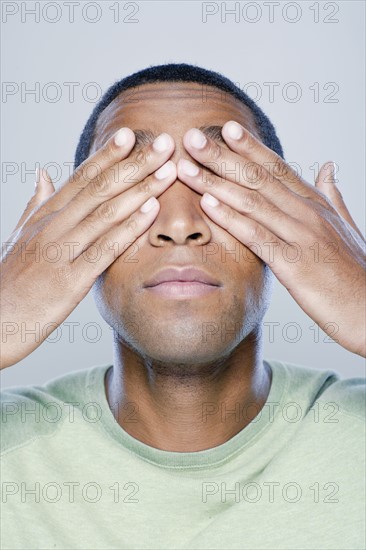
x: 249, y: 261
x: 124, y: 272
x: 235, y: 256
x: 109, y: 289
x: 247, y: 272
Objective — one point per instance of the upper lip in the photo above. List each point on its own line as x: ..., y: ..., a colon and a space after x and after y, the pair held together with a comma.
x: 187, y: 274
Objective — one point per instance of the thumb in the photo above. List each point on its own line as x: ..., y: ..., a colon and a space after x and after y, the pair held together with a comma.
x: 43, y: 186
x: 43, y: 189
x: 326, y: 183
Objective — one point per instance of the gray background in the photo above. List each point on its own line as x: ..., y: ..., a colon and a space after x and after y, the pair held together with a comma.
x: 325, y: 48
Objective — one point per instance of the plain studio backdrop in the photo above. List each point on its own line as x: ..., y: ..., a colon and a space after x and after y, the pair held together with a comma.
x: 303, y: 62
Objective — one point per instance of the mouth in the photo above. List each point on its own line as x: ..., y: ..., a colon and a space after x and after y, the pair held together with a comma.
x: 182, y: 289
x: 182, y: 283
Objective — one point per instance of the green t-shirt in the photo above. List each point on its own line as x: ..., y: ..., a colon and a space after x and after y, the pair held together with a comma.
x: 72, y: 478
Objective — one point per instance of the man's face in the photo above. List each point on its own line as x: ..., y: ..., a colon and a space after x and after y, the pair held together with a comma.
x: 198, y: 329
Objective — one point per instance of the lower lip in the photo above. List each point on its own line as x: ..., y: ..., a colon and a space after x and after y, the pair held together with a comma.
x: 181, y: 289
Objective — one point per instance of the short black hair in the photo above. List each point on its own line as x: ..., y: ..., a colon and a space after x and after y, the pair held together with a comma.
x: 176, y: 72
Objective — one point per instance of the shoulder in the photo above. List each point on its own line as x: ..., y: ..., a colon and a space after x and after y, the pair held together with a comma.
x: 323, y: 386
x: 349, y: 395
x: 29, y: 412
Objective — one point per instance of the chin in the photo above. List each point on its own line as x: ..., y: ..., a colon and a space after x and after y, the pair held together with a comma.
x: 180, y: 343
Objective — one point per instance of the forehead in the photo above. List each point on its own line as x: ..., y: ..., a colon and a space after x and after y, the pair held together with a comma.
x: 172, y: 107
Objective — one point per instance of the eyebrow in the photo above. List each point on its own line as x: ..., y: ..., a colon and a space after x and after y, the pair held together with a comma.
x: 144, y: 137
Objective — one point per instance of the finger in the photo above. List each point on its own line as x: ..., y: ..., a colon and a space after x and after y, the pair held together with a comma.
x: 114, y: 182
x: 116, y: 148
x: 116, y: 210
x: 326, y: 183
x: 246, y: 201
x: 244, y: 143
x: 274, y: 192
x: 108, y: 158
x: 111, y: 245
x: 43, y: 190
x: 116, y: 162
x: 262, y: 242
x: 232, y: 167
x: 114, y: 179
x: 249, y: 150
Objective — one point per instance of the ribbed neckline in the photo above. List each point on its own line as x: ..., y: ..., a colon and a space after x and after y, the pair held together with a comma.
x: 198, y: 460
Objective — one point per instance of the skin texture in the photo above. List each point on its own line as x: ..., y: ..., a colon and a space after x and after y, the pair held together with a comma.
x: 173, y: 356
x: 175, y: 359
x: 165, y: 367
x: 82, y: 222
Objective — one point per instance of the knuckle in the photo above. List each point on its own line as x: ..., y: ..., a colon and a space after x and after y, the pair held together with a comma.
x: 131, y: 226
x: 210, y: 180
x: 229, y: 217
x: 86, y: 173
x: 78, y: 182
x: 110, y: 149
x: 99, y: 187
x: 280, y: 169
x: 256, y: 233
x: 106, y: 211
x: 145, y: 187
x: 213, y: 150
x: 249, y: 143
x: 106, y: 245
x: 254, y: 174
x: 249, y: 201
x: 140, y: 157
x: 143, y: 156
x: 77, y: 174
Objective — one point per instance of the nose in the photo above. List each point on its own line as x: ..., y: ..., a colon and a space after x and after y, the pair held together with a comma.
x: 180, y: 220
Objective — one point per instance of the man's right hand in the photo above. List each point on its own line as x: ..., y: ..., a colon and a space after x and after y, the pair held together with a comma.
x: 48, y: 263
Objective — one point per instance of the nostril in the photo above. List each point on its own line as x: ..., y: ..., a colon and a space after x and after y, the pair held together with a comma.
x: 164, y: 238
x: 195, y: 236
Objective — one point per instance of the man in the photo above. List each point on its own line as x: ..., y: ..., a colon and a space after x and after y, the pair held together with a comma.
x: 190, y: 439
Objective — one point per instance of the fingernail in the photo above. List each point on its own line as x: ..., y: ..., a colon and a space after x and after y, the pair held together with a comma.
x: 149, y: 205
x: 164, y: 170
x: 234, y: 130
x: 197, y: 139
x: 188, y: 167
x: 120, y: 138
x: 209, y: 199
x: 161, y: 143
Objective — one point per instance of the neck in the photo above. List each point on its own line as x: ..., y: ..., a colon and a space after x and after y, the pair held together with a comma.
x: 186, y: 407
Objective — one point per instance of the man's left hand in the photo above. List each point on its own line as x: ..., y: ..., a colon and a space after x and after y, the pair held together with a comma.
x: 305, y: 234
